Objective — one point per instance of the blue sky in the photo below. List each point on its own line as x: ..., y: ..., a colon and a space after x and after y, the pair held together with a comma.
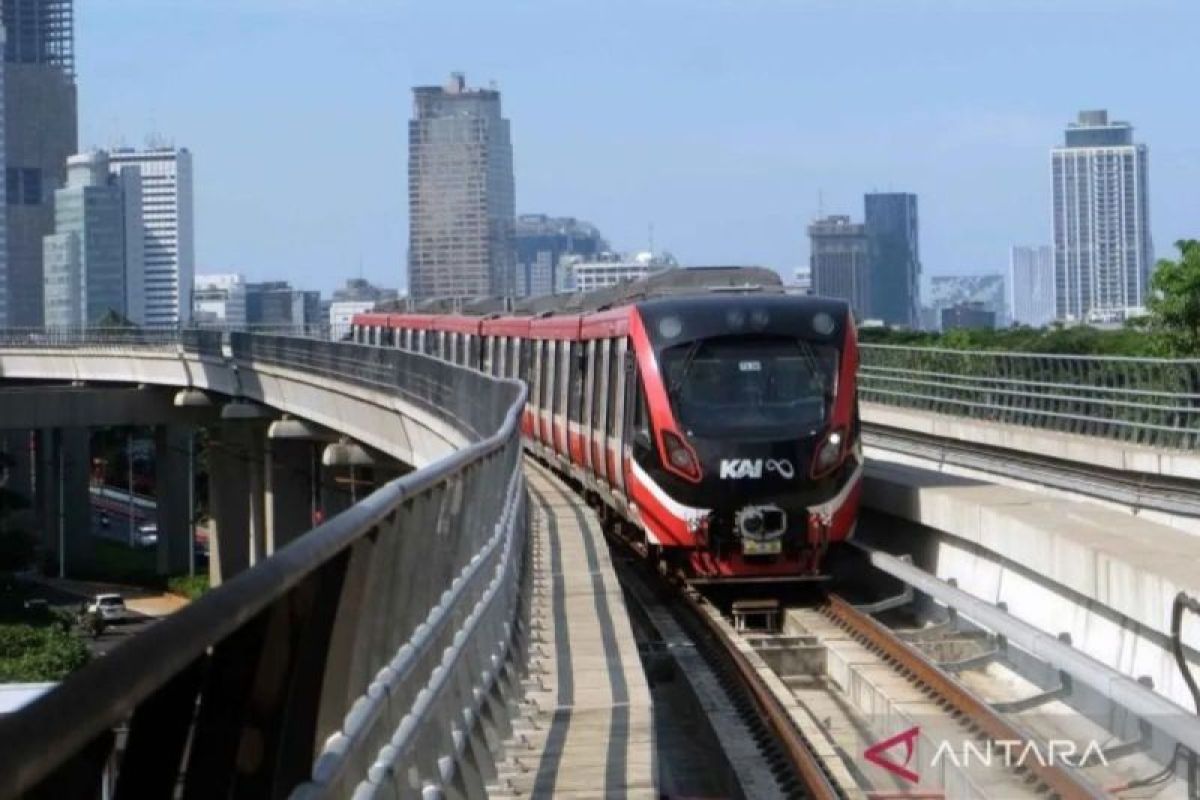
x: 719, y: 121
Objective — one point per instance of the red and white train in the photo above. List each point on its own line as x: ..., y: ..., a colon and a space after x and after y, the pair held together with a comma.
x: 722, y: 423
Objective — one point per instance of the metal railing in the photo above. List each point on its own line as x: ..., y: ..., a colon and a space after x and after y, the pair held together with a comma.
x: 1153, y: 402
x: 377, y: 654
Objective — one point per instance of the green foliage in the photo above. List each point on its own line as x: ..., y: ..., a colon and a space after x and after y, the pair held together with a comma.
x: 1132, y: 340
x: 30, y: 654
x: 1174, y: 301
x: 189, y: 586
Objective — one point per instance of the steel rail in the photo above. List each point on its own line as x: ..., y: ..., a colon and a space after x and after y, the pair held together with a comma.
x: 793, y: 742
x: 1165, y: 715
x: 1065, y: 783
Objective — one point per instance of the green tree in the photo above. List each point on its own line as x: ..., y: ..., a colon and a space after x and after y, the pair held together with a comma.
x: 1174, y: 301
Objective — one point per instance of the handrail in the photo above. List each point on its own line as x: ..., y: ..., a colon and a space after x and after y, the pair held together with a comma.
x: 308, y: 594
x: 1146, y: 401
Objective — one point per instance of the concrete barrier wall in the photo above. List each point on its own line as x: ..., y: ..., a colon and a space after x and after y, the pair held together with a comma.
x: 1105, y: 577
x: 1108, y: 453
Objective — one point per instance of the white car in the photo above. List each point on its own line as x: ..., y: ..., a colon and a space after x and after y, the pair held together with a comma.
x: 147, y: 535
x: 109, y: 606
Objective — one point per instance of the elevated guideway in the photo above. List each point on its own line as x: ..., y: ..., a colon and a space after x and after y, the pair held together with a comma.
x: 1065, y: 488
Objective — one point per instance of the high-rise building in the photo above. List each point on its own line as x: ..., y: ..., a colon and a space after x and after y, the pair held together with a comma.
x: 895, y: 261
x: 1031, y: 285
x: 277, y: 303
x: 967, y: 316
x: 985, y: 291
x: 39, y: 120
x: 167, y: 230
x: 93, y: 262
x: 839, y: 262
x: 543, y: 242
x: 1102, y: 247
x: 461, y: 205
x: 219, y: 299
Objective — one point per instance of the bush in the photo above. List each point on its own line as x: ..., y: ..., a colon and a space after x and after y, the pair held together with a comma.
x: 189, y: 586
x: 31, y: 654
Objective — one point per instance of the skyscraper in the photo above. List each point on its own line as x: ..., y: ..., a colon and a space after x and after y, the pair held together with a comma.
x: 1031, y: 285
x: 93, y: 260
x: 542, y: 242
x: 891, y: 227
x: 39, y: 120
x: 461, y: 205
x: 167, y: 228
x: 1102, y: 248
x: 839, y: 262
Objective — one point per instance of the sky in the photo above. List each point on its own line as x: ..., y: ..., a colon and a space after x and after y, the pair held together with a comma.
x: 725, y: 125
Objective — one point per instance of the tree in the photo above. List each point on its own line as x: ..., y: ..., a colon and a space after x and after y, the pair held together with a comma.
x: 113, y: 319
x: 1174, y: 300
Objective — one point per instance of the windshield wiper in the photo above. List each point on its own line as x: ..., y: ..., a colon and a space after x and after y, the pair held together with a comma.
x: 685, y: 365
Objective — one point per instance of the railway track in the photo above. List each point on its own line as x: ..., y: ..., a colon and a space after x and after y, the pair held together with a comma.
x: 798, y: 703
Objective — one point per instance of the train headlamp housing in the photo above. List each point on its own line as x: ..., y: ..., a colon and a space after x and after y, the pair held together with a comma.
x: 829, y: 454
x: 679, y: 457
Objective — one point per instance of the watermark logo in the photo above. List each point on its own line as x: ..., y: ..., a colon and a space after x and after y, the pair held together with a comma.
x: 877, y: 753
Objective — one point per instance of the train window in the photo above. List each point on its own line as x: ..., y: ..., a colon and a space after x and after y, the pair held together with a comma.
x: 641, y: 411
x: 564, y: 382
x: 597, y: 384
x: 578, y: 373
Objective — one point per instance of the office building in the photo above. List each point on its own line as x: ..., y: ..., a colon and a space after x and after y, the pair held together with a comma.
x: 219, y: 300
x: 341, y: 313
x: 895, y: 262
x: 968, y: 316
x: 986, y: 291
x: 277, y: 303
x: 167, y: 230
x: 609, y: 269
x: 460, y: 194
x: 839, y: 262
x: 1031, y: 286
x: 93, y: 263
x: 542, y: 244
x: 39, y: 121
x: 362, y: 290
x: 1102, y: 247
x: 803, y: 281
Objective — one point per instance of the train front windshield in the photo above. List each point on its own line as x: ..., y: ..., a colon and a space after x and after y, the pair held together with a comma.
x: 750, y: 387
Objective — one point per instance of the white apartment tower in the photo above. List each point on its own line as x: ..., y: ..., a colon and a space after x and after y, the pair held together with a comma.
x: 1102, y: 248
x: 1031, y: 285
x: 169, y: 248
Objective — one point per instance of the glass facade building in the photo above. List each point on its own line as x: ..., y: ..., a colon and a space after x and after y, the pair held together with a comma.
x: 839, y: 262
x: 895, y: 259
x: 167, y: 230
x: 39, y: 121
x: 460, y: 194
x: 1103, y: 252
x: 1031, y: 285
x: 543, y: 242
x: 93, y: 261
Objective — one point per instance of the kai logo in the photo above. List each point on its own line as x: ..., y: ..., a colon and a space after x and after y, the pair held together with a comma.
x: 739, y: 468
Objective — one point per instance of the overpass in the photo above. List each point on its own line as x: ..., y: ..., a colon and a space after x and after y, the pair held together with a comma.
x: 357, y: 678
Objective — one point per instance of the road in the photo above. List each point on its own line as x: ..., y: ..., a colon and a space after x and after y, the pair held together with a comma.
x: 71, y: 601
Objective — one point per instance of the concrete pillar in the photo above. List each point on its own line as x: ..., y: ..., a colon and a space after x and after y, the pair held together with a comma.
x: 63, y: 477
x: 172, y: 455
x: 228, y: 482
x: 336, y: 495
x: 19, y: 476
x: 256, y: 439
x: 289, y: 490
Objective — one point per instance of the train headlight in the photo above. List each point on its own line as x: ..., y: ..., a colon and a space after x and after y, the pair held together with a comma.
x: 680, y: 458
x: 829, y: 454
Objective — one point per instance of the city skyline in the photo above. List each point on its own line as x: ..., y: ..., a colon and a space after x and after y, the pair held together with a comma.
x: 716, y: 186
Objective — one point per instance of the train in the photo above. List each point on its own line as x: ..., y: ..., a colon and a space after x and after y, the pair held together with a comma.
x: 708, y: 411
